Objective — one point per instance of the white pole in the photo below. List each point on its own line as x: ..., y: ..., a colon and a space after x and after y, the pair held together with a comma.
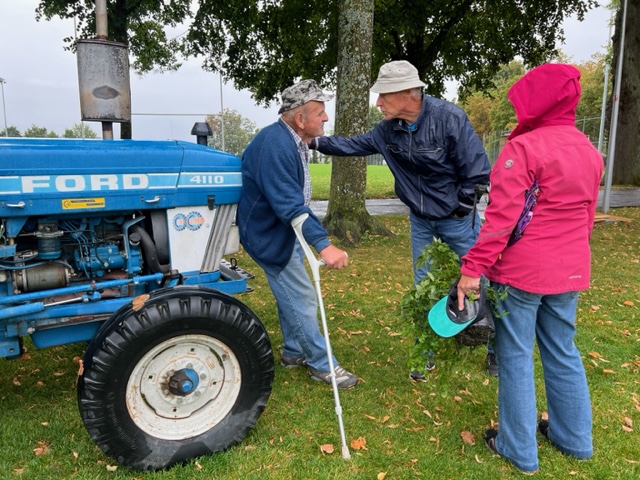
x: 614, y: 117
x: 4, y: 108
x: 604, y: 95
x: 221, y: 113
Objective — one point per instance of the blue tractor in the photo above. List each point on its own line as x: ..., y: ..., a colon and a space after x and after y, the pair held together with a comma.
x: 121, y: 244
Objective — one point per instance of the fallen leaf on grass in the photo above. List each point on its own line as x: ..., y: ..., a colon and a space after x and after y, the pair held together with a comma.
x: 112, y: 468
x: 327, y: 448
x: 467, y: 437
x: 478, y: 460
x: 628, y: 421
x: 629, y: 303
x: 359, y: 444
x: 609, y: 371
x: 41, y: 449
x: 595, y: 355
x: 381, y: 475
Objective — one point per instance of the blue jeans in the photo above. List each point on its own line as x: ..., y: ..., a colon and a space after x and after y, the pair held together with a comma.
x: 298, y: 313
x: 455, y: 232
x: 549, y: 319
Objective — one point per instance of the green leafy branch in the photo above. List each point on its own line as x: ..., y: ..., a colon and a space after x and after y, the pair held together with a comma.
x: 444, y: 268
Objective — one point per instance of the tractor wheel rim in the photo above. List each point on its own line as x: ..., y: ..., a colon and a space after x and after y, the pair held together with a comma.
x: 157, y: 411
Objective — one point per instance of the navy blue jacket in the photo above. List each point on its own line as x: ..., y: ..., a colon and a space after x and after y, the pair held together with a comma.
x: 435, y: 167
x: 272, y: 196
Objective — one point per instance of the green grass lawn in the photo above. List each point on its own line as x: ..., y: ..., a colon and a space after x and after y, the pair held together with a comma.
x: 379, y: 181
x: 407, y: 430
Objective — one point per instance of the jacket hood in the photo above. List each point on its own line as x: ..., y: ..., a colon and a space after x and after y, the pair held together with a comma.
x: 547, y: 95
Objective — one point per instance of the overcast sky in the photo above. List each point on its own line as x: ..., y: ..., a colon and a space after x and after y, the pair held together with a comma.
x: 42, y: 84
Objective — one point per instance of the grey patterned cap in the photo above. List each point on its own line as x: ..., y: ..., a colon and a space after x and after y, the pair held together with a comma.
x: 302, y: 92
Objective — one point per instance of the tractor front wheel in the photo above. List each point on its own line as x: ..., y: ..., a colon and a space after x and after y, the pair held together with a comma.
x: 180, y: 374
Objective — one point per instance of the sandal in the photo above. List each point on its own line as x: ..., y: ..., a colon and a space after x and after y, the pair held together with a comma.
x: 490, y: 440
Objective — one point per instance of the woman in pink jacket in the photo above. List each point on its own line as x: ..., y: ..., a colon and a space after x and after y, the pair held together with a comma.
x: 534, y: 246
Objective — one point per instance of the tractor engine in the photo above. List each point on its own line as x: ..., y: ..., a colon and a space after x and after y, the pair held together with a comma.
x: 52, y: 254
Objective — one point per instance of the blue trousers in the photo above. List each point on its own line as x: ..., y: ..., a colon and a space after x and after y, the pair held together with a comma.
x: 298, y: 313
x: 549, y: 320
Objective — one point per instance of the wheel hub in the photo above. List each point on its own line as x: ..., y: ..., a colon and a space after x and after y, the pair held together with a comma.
x: 183, y: 382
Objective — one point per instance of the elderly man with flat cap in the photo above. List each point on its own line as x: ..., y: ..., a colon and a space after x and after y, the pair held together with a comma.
x: 276, y: 188
x: 436, y: 159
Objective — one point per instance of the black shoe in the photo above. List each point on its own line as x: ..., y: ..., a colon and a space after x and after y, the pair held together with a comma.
x: 543, y: 428
x: 293, y: 362
x: 419, y: 376
x: 492, y: 365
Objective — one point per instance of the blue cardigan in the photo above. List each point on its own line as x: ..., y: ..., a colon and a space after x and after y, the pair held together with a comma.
x: 272, y: 196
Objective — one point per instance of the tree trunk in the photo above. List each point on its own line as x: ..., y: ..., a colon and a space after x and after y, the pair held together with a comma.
x: 347, y: 218
x: 626, y: 167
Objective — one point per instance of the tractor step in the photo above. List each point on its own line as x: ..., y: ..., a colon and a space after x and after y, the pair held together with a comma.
x: 232, y: 270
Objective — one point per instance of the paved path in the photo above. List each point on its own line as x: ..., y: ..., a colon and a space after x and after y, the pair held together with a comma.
x: 629, y: 197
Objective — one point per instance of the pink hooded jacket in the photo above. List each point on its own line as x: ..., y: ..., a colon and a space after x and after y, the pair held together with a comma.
x: 553, y: 255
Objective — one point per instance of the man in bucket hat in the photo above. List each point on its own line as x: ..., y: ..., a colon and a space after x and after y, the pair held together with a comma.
x: 276, y: 188
x: 435, y: 157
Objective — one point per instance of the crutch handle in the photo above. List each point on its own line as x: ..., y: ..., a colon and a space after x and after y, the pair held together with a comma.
x: 314, y: 263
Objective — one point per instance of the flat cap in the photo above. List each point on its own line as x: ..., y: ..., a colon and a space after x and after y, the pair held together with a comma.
x: 302, y: 92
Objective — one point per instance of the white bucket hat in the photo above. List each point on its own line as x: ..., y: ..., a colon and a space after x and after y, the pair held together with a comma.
x: 397, y: 76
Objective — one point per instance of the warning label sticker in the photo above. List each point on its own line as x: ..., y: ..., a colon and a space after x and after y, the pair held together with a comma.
x: 80, y: 203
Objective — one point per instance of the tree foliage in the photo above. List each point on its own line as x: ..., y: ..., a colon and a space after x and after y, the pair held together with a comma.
x: 238, y: 131
x: 10, y: 131
x: 264, y: 46
x: 79, y: 130
x: 140, y: 24
x: 374, y: 118
x: 35, y: 131
x: 490, y: 111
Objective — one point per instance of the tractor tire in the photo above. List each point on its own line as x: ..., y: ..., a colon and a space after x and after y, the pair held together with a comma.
x: 180, y: 373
